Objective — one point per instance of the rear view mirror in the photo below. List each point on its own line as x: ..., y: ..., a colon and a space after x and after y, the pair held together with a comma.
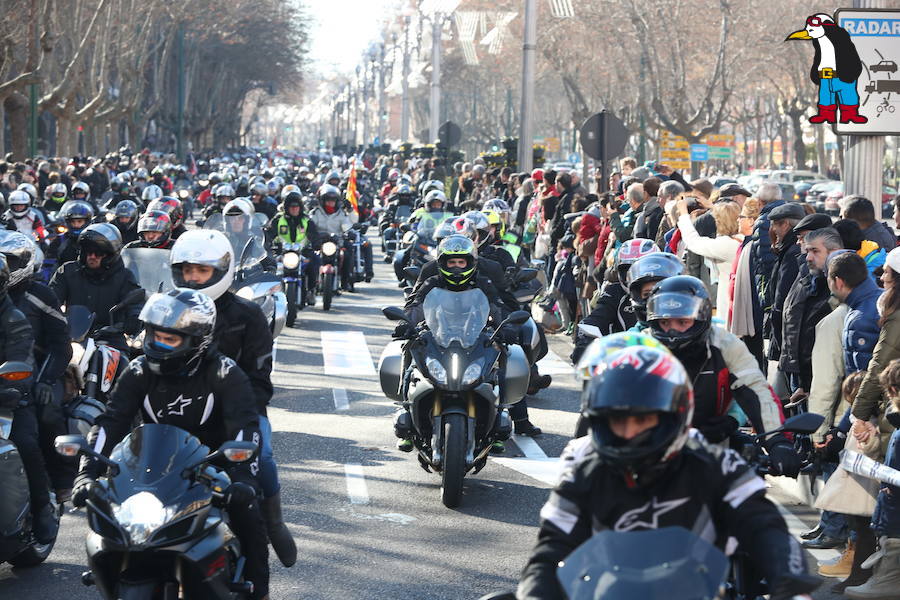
x: 69, y: 445
x: 803, y: 423
x: 526, y: 275
x: 518, y: 317
x: 394, y: 313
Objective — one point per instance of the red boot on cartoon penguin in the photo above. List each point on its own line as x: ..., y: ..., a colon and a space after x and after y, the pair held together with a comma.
x: 850, y: 114
x: 827, y: 114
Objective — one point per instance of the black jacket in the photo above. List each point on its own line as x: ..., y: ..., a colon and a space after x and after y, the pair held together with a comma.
x: 99, y: 291
x: 243, y: 335
x: 784, y: 273
x: 211, y: 405
x: 48, y: 325
x: 558, y: 225
x: 16, y: 339
x: 647, y: 223
x: 487, y: 269
x: 612, y: 314
x: 591, y: 497
x: 806, y: 303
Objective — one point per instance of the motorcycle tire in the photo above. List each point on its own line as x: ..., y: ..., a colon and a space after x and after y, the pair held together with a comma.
x: 304, y: 294
x: 34, y: 554
x: 327, y: 290
x: 454, y: 468
x: 291, y: 295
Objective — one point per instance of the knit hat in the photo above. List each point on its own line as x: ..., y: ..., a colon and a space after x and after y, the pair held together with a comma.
x: 893, y: 260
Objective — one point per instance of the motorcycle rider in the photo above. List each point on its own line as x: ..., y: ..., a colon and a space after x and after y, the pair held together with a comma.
x: 99, y: 281
x: 155, y: 231
x: 172, y: 206
x: 728, y: 385
x: 119, y: 189
x: 222, y: 195
x: 203, y: 260
x: 77, y: 215
x: 643, y: 275
x: 259, y: 196
x: 125, y: 218
x: 291, y: 226
x: 639, y: 470
x: 150, y: 193
x: 182, y: 380
x: 21, y: 216
x: 55, y: 196
x: 81, y: 191
x: 333, y: 220
x: 52, y: 350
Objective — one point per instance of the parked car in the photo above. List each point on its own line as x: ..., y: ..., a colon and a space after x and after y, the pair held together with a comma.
x: 720, y: 181
x: 787, y: 190
x: 818, y: 192
x: 833, y: 199
x: 792, y: 176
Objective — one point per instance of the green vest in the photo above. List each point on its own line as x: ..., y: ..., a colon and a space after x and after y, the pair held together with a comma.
x: 513, y: 250
x: 284, y: 233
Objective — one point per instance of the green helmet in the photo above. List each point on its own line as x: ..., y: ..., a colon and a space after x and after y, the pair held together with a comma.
x: 457, y: 246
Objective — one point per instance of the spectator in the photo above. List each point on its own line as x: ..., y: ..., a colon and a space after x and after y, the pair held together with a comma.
x: 741, y: 293
x: 785, y: 269
x: 722, y: 249
x: 859, y: 209
x: 565, y: 205
x: 623, y: 224
x: 628, y: 164
x: 669, y: 191
x: 762, y: 259
x: 735, y: 193
x: 854, y: 240
x: 647, y: 223
x: 850, y: 283
x: 806, y: 303
x: 563, y: 285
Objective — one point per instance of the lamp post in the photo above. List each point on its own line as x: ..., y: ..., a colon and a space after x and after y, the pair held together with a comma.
x: 404, y: 102
x: 526, y: 125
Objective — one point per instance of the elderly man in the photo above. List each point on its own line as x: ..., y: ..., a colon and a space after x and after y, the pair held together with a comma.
x: 623, y: 224
x: 668, y: 192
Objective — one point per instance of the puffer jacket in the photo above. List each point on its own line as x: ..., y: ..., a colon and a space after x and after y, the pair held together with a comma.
x: 806, y: 304
x: 762, y: 258
x: 861, y: 326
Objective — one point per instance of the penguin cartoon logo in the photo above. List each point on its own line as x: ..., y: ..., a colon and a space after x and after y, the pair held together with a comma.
x: 835, y: 69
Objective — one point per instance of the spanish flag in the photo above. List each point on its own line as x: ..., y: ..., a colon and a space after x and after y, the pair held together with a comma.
x: 351, y: 186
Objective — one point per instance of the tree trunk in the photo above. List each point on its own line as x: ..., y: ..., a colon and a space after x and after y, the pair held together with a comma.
x: 799, y: 146
x: 16, y: 106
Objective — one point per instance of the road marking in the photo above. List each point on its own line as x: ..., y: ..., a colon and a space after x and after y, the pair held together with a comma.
x: 340, y: 399
x: 274, y: 352
x: 545, y: 470
x: 552, y: 364
x: 796, y: 527
x: 356, y: 484
x: 346, y: 353
x: 529, y: 447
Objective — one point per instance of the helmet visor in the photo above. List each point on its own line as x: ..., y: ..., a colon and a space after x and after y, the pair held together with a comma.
x: 674, y: 306
x: 169, y: 313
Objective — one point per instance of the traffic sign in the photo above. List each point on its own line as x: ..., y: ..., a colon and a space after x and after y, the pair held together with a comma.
x: 603, y: 136
x: 876, y: 35
x: 552, y: 144
x: 674, y: 150
x: 449, y: 134
x: 699, y: 152
x: 574, y: 157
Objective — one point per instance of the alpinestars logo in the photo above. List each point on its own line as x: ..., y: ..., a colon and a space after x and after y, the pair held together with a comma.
x: 647, y: 516
x: 175, y: 407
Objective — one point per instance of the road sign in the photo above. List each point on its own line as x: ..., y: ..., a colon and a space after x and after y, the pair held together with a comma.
x: 674, y: 151
x: 449, y: 133
x: 876, y: 35
x: 699, y: 152
x: 574, y: 158
x: 603, y: 136
x: 552, y: 144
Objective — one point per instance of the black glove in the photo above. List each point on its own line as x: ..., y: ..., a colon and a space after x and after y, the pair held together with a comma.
x: 784, y: 459
x: 43, y: 393
x: 82, y: 489
x: 403, y: 331
x: 9, y: 398
x: 718, y: 429
x: 509, y: 335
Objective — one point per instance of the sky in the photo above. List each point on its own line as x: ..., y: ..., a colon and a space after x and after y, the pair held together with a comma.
x: 343, y: 29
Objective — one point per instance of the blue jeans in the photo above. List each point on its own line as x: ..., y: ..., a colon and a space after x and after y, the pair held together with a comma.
x: 268, y: 471
x: 834, y: 91
x: 886, y: 519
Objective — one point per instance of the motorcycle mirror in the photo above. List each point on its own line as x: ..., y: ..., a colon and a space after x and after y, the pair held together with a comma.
x: 518, y: 317
x: 394, y: 313
x: 526, y: 275
x: 412, y: 273
x: 404, y: 227
x: 239, y: 452
x: 69, y: 445
x: 15, y: 370
x: 803, y: 423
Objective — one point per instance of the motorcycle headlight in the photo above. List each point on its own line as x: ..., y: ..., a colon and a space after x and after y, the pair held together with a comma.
x: 291, y: 260
x: 472, y: 373
x: 245, y: 292
x: 436, y: 369
x: 183, y: 194
x: 329, y: 248
x: 142, y: 514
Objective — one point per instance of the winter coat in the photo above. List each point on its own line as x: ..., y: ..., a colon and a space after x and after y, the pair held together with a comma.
x: 334, y: 224
x: 806, y: 303
x: 827, y: 369
x: 762, y: 257
x: 881, y: 234
x: 868, y: 402
x: 721, y: 250
x: 861, y: 329
x: 647, y: 223
x: 784, y: 271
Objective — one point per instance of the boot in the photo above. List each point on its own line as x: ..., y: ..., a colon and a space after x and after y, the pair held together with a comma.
x: 843, y: 566
x: 827, y: 114
x: 279, y: 535
x: 44, y: 524
x: 884, y: 584
x: 850, y: 114
x: 525, y: 427
x: 859, y: 571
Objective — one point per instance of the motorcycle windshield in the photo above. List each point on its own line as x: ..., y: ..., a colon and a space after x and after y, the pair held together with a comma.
x: 456, y: 316
x: 402, y: 213
x: 152, y: 458
x: 428, y: 223
x: 151, y: 268
x: 245, y: 235
x: 661, y: 564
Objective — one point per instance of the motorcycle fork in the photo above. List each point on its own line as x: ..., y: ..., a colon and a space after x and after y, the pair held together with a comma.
x: 437, y: 434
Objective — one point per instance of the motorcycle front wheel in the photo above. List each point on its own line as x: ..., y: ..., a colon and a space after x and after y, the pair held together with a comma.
x: 454, y: 460
x: 327, y: 290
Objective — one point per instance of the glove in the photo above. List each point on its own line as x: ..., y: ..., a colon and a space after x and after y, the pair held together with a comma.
x: 718, y: 429
x: 784, y: 460
x: 509, y: 335
x: 81, y: 490
x: 9, y: 398
x: 403, y: 331
x: 43, y: 393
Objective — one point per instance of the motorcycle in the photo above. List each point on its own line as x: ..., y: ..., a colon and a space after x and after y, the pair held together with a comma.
x: 17, y: 544
x: 157, y: 518
x: 355, y: 238
x: 390, y: 222
x: 457, y: 387
x: 293, y: 267
x: 329, y: 270
x: 251, y: 280
x: 151, y: 268
x: 418, y: 246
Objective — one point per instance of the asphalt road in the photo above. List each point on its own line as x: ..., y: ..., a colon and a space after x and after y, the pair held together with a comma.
x: 367, y: 518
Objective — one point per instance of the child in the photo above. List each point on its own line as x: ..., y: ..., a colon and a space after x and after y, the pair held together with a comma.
x: 563, y: 285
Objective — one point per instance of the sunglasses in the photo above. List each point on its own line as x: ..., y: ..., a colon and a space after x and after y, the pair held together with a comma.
x: 817, y: 22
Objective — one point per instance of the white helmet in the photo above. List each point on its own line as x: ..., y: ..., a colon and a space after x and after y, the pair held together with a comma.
x: 81, y: 187
x: 239, y: 205
x: 204, y: 247
x: 30, y: 189
x: 22, y: 200
x: 151, y: 193
x: 21, y: 254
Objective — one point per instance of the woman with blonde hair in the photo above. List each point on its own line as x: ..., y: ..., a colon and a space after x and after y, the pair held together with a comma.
x: 720, y: 250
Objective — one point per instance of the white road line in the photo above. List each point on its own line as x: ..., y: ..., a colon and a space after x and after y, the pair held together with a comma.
x: 340, y: 399
x: 552, y: 364
x: 545, y: 470
x: 796, y: 527
x: 346, y: 353
x: 356, y: 484
x: 274, y: 352
x: 529, y: 447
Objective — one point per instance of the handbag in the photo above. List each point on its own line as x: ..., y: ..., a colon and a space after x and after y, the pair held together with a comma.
x: 848, y: 493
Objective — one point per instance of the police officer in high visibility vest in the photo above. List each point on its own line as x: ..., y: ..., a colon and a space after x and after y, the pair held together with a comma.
x: 498, y: 213
x: 291, y: 226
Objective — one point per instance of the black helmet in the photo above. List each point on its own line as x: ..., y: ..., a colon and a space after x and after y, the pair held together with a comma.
x: 681, y: 297
x: 126, y: 209
x: 104, y: 237
x: 329, y: 192
x: 639, y: 380
x: 119, y: 185
x: 292, y: 199
x: 650, y: 269
x: 457, y: 246
x: 188, y: 313
x: 76, y: 209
